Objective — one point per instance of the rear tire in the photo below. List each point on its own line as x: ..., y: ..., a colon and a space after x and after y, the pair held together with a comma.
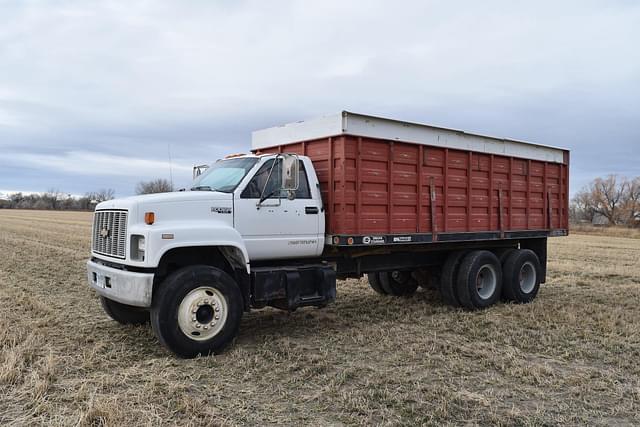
x: 374, y: 282
x: 398, y: 283
x: 124, y: 314
x: 479, y: 283
x: 503, y: 254
x: 425, y: 278
x: 197, y: 311
x: 522, y: 274
x: 448, y: 278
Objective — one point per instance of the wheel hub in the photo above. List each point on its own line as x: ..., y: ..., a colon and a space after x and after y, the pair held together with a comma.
x: 486, y: 281
x: 527, y: 277
x: 202, y: 313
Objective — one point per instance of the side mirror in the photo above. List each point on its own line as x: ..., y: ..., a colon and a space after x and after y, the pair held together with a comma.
x: 288, y: 166
x: 198, y: 170
x: 290, y: 169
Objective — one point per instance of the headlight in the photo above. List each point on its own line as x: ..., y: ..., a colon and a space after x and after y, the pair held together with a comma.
x: 138, y: 247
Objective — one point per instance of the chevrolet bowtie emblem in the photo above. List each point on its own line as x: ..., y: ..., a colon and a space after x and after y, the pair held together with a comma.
x: 105, y: 232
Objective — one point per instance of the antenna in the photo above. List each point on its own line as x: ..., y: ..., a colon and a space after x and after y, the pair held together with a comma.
x: 170, y: 165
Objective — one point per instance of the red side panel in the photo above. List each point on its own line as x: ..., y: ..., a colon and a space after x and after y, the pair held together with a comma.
x: 373, y: 186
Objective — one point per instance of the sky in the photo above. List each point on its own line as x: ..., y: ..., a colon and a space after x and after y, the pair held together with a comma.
x: 102, y: 94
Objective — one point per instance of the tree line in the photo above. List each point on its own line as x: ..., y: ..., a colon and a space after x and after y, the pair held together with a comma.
x: 613, y: 200
x: 54, y: 199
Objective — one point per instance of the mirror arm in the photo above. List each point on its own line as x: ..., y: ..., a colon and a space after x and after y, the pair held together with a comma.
x: 275, y: 160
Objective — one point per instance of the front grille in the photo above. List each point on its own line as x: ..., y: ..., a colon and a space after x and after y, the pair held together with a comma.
x: 110, y: 233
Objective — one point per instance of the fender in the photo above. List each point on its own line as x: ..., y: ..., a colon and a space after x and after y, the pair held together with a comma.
x: 193, y: 234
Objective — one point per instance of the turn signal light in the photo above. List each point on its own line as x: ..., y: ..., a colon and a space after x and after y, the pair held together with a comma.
x: 149, y: 218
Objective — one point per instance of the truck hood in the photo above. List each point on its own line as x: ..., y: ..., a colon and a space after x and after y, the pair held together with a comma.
x: 176, y: 206
x: 161, y: 198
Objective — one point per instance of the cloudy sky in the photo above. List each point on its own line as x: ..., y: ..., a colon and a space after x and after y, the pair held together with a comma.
x: 96, y: 94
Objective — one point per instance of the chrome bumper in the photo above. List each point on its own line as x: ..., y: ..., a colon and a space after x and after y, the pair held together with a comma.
x: 126, y: 287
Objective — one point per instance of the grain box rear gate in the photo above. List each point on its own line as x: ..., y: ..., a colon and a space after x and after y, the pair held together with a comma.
x: 384, y: 179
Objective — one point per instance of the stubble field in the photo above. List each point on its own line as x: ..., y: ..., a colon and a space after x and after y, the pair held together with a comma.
x: 571, y: 357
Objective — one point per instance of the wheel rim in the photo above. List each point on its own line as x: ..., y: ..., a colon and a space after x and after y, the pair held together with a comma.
x: 202, y: 313
x: 486, y: 281
x: 527, y: 277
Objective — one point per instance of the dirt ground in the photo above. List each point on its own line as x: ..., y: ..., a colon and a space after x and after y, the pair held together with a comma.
x: 571, y: 357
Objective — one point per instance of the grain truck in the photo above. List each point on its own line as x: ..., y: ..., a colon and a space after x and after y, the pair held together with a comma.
x: 343, y: 196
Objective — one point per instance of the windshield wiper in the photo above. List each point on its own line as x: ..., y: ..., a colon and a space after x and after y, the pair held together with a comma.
x: 201, y: 188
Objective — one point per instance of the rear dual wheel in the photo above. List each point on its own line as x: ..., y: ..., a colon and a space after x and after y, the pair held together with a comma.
x: 472, y: 280
x: 448, y: 278
x: 479, y: 281
x: 374, y: 282
x: 396, y: 283
x: 522, y: 273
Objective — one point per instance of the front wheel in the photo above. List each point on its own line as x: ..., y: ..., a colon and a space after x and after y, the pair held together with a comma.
x: 197, y: 310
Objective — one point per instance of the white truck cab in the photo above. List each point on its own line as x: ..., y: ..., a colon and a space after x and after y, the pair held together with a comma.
x: 243, y: 209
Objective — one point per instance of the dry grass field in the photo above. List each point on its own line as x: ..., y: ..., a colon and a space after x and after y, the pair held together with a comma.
x: 571, y: 357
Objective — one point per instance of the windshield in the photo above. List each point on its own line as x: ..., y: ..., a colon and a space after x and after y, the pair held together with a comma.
x: 224, y: 175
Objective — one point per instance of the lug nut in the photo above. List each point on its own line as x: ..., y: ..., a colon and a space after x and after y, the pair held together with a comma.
x: 213, y: 323
x: 217, y: 317
x: 197, y: 325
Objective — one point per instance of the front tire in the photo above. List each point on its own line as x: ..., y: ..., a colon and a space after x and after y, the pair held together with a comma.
x: 124, y: 314
x: 197, y: 311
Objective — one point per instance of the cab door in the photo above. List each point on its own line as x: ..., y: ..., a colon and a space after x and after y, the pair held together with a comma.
x: 278, y: 227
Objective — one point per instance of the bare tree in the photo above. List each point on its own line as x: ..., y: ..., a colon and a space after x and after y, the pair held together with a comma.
x: 159, y: 185
x: 608, y: 197
x: 15, y: 200
x: 51, y: 199
x: 583, y: 206
x: 102, y: 194
x: 616, y: 199
x: 631, y: 202
x: 84, y: 202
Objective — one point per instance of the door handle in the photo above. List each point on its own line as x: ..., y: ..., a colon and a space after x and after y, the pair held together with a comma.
x: 311, y: 210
